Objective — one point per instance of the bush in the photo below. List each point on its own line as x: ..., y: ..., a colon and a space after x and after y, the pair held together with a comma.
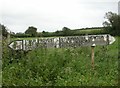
x: 61, y: 67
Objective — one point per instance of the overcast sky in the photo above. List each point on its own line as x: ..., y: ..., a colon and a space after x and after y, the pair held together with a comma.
x: 52, y: 15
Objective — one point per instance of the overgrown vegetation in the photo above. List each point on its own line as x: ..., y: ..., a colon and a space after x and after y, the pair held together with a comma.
x: 112, y: 25
x: 61, y: 66
x: 64, y: 32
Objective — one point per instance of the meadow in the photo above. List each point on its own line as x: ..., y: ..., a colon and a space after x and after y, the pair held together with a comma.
x: 61, y: 66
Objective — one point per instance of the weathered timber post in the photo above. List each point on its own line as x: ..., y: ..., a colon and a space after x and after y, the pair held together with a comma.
x: 92, y: 55
x: 59, y: 42
x: 22, y: 44
x: 108, y: 40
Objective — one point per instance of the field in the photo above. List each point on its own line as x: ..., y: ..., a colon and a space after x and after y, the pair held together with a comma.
x: 76, y: 32
x: 61, y: 66
x: 90, y: 31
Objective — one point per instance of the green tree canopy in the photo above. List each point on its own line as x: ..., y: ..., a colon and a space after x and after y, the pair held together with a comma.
x: 66, y: 31
x: 112, y: 24
x: 4, y: 31
x: 31, y: 31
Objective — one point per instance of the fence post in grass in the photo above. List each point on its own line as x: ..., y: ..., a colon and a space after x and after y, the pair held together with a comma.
x: 59, y: 42
x: 22, y: 44
x: 92, y: 55
x: 108, y: 39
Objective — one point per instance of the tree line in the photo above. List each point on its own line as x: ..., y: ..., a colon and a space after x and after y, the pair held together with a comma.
x: 111, y: 26
x: 32, y: 32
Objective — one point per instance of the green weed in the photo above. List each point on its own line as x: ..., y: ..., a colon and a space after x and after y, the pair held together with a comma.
x: 61, y: 67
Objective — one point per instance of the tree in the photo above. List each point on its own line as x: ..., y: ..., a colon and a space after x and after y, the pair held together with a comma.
x: 58, y: 33
x: 39, y: 34
x: 45, y: 34
x: 112, y: 25
x: 66, y: 31
x: 4, y: 31
x: 31, y: 31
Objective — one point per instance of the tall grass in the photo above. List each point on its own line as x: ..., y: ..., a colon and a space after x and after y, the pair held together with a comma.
x: 61, y: 67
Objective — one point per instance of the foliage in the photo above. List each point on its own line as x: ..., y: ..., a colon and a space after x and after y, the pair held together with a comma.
x: 21, y: 35
x: 112, y: 24
x: 66, y: 31
x: 89, y: 32
x: 76, y: 32
x: 4, y: 31
x: 32, y: 31
x: 46, y: 34
x: 61, y: 66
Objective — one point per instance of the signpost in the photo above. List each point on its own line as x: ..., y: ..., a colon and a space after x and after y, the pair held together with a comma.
x: 63, y: 42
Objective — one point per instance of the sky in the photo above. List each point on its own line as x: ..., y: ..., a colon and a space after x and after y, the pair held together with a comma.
x: 53, y: 15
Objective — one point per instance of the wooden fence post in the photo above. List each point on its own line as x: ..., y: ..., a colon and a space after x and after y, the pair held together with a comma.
x: 59, y: 42
x: 92, y: 55
x: 107, y: 39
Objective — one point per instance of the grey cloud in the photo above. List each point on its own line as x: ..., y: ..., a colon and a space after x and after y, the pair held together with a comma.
x: 83, y: 13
